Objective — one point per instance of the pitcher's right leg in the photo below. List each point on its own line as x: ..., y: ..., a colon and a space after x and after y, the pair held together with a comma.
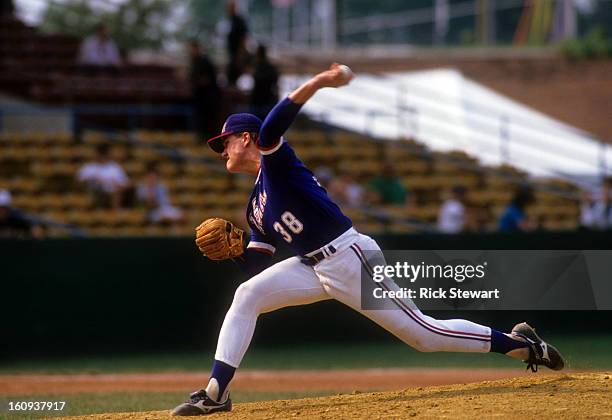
x: 287, y: 283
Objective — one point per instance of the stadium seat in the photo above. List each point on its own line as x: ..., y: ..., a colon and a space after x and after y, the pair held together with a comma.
x: 40, y: 170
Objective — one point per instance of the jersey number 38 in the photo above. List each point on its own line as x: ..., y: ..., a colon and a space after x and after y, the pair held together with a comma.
x: 291, y: 223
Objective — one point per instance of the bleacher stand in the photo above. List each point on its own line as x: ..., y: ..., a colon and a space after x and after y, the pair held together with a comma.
x: 12, y: 222
x: 45, y: 68
x: 40, y: 169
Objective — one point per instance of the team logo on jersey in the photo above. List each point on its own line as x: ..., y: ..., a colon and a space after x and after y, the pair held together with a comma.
x: 258, y: 206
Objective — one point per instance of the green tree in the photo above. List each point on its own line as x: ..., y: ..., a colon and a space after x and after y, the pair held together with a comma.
x: 135, y: 24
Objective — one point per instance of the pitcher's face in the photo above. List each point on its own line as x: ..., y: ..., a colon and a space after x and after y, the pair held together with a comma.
x: 239, y: 152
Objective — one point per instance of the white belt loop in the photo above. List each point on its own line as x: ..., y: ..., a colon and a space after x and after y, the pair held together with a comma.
x: 338, y: 243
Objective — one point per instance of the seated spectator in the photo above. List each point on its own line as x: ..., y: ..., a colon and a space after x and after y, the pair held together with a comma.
x: 265, y: 90
x: 452, y: 217
x: 13, y: 223
x: 514, y: 218
x: 596, y: 213
x: 105, y: 178
x: 347, y: 191
x: 591, y: 211
x: 152, y: 193
x: 99, y: 49
x: 324, y: 175
x: 388, y: 187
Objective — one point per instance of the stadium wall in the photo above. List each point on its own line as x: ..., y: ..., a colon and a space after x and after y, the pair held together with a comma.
x: 64, y: 296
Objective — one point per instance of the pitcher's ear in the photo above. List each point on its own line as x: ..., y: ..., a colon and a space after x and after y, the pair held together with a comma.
x: 253, y: 137
x: 246, y: 138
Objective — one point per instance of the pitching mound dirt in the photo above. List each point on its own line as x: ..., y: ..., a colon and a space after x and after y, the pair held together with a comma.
x: 577, y: 395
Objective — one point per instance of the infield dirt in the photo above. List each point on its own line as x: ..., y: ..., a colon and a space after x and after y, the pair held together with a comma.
x: 251, y: 380
x: 575, y: 395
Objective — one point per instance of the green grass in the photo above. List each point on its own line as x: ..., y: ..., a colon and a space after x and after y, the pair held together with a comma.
x: 582, y: 352
x: 106, y: 402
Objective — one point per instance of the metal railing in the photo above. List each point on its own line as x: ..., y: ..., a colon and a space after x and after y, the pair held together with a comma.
x: 398, y: 112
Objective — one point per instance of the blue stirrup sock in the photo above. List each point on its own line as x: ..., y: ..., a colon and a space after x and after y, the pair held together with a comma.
x: 220, y: 377
x: 222, y: 373
x: 501, y: 343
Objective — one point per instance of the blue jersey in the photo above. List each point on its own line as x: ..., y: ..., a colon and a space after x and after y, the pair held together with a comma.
x: 511, y: 219
x: 287, y: 204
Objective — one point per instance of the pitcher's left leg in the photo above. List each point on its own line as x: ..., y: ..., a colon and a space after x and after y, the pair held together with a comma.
x: 341, y: 276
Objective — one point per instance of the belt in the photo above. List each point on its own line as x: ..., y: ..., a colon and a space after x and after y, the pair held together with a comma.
x: 325, y: 252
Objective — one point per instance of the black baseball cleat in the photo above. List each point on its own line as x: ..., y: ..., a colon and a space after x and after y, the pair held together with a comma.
x: 200, y: 404
x: 540, y: 352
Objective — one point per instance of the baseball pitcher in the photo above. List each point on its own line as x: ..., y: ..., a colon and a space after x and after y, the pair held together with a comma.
x: 289, y: 207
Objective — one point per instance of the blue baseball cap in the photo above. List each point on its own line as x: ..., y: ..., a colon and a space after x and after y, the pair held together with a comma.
x: 235, y: 123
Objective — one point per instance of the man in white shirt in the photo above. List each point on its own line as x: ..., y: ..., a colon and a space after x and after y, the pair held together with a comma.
x: 99, y: 49
x: 105, y: 178
x: 590, y: 211
x: 452, y: 218
x: 596, y: 209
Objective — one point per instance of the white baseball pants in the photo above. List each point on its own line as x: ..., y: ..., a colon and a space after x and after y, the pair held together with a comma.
x: 291, y: 283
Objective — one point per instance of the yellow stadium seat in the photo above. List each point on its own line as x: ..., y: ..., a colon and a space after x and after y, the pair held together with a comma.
x: 370, y: 227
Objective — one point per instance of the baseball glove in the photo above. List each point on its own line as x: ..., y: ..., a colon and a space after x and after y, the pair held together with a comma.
x: 219, y: 239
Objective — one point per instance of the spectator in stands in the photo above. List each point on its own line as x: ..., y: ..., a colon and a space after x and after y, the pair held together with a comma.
x: 388, y: 187
x: 325, y: 175
x: 99, y: 49
x: 346, y: 190
x: 265, y: 89
x: 236, y: 44
x: 590, y: 211
x: 514, y: 218
x: 452, y: 217
x: 153, y: 194
x: 105, y: 178
x: 13, y: 223
x: 597, y: 213
x: 204, y: 90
